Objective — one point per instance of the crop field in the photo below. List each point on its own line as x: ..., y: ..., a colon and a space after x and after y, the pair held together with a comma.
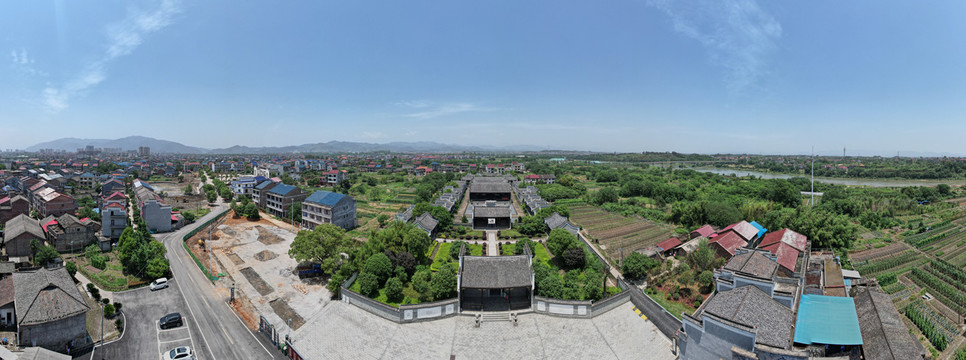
x: 615, y: 231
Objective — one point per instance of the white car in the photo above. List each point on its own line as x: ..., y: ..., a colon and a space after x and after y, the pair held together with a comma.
x: 159, y: 284
x: 179, y: 353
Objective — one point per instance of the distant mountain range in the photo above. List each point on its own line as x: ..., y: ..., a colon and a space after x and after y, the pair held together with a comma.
x: 171, y: 147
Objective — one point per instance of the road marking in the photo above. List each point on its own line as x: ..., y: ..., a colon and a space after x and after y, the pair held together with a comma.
x: 226, y: 335
x: 187, y: 338
x: 250, y: 332
x: 157, y: 332
x: 193, y: 315
x: 191, y: 338
x: 206, y: 302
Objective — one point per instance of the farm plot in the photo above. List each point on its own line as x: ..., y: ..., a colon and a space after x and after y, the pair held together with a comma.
x: 896, y: 263
x: 944, y: 281
x: 614, y: 232
x: 883, y: 252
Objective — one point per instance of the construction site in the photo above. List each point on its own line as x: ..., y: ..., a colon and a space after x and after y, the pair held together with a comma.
x: 252, y: 257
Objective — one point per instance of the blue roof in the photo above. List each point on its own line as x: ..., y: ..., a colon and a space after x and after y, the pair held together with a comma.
x: 829, y: 320
x: 325, y: 198
x: 263, y: 184
x: 761, y: 229
x: 282, y: 189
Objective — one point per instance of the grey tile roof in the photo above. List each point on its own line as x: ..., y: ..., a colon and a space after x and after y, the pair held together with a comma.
x: 496, y: 272
x: 750, y: 306
x: 753, y: 263
x: 20, y: 225
x: 46, y: 295
x: 555, y: 221
x: 490, y: 187
x: 884, y: 334
x: 6, y: 291
x: 426, y: 222
x: 491, y: 211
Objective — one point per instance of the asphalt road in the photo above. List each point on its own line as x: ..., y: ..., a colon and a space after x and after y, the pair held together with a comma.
x: 143, y: 339
x: 213, y: 329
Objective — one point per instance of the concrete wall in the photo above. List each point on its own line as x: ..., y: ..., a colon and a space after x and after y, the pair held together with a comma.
x: 156, y: 216
x: 56, y: 335
x: 605, y: 305
x: 8, y: 311
x: 113, y: 222
x: 382, y: 310
x: 429, y: 311
x: 562, y: 308
x: 20, y: 245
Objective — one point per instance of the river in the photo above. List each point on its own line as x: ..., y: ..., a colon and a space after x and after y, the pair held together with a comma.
x: 837, y: 181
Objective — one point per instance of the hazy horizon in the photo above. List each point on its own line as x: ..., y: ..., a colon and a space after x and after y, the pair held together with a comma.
x: 630, y: 76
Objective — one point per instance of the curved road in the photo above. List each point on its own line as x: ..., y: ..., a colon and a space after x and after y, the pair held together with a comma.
x: 222, y: 333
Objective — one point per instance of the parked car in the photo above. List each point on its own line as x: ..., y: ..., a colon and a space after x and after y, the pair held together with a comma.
x: 159, y: 284
x: 309, y: 269
x: 171, y: 320
x: 179, y: 353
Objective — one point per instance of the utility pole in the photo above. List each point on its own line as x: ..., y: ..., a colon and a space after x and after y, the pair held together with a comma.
x: 812, y: 201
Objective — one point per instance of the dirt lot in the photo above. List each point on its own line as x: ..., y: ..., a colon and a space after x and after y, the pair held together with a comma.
x: 254, y: 256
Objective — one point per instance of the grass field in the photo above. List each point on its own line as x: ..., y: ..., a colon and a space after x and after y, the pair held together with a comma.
x: 616, y: 231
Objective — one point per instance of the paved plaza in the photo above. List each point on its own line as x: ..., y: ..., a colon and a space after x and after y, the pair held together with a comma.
x: 343, y: 331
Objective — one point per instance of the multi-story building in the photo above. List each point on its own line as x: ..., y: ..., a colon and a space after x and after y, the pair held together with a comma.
x: 279, y: 200
x: 260, y: 193
x: 155, y: 213
x: 144, y: 151
x: 324, y: 207
x: 11, y: 206
x: 243, y: 185
x: 56, y: 204
x: 334, y: 177
x: 113, y: 220
x: 67, y: 233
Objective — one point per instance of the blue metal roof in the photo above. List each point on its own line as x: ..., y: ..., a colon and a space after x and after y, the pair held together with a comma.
x: 761, y: 229
x: 327, y: 198
x: 282, y: 189
x: 829, y: 320
x: 263, y: 184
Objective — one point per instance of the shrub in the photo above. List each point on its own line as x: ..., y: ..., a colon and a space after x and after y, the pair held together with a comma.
x: 119, y: 324
x: 394, y: 288
x: 550, y: 287
x: 106, y: 301
x: 95, y: 292
x: 454, y: 250
x: 117, y: 306
x: 108, y: 311
x: 420, y: 283
x: 368, y: 284
x: 560, y: 240
x: 71, y: 268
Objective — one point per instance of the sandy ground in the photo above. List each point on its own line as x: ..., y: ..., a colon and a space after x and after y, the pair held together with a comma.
x: 254, y: 256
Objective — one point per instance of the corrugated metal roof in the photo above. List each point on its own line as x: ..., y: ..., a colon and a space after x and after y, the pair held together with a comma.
x: 327, y: 198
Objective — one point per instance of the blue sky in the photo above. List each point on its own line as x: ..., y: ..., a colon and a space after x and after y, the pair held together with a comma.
x: 714, y: 76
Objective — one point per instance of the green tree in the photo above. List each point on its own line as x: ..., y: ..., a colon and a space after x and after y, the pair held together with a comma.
x: 45, y: 254
x: 531, y: 225
x: 226, y: 194
x: 551, y: 287
x: 560, y: 240
x: 574, y: 257
x: 108, y: 311
x: 421, y: 283
x: 380, y: 266
x: 944, y: 189
x: 323, y: 245
x: 403, y: 237
x: 444, y: 283
x: 636, y: 265
x: 251, y: 212
x: 706, y: 279
x: 211, y: 196
x: 368, y: 284
x: 394, y: 288
x: 593, y: 285
x: 382, y: 219
x: 188, y: 190
x: 605, y: 195
x: 157, y: 267
x: 71, y: 268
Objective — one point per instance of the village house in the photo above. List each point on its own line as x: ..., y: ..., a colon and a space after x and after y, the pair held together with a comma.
x: 279, y: 200
x: 18, y: 233
x: 67, y: 233
x: 10, y: 207
x: 324, y: 207
x: 260, y: 193
x: 334, y: 177
x: 154, y: 211
x: 50, y: 310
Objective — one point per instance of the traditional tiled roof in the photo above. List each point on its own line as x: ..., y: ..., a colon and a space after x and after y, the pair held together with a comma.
x: 6, y: 291
x: 748, y: 305
x: 555, y: 221
x: 426, y: 222
x: 496, y: 272
x: 46, y: 295
x: 753, y: 263
x: 20, y: 225
x: 885, y: 335
x: 491, y: 211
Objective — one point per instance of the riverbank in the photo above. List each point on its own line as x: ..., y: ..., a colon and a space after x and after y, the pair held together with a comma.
x: 837, y: 181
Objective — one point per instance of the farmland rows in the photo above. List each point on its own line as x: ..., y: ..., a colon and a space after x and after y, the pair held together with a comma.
x: 610, y: 225
x: 879, y: 265
x: 948, y: 295
x: 890, y: 250
x: 940, y: 330
x: 960, y: 249
x: 625, y: 230
x: 951, y: 239
x: 935, y: 231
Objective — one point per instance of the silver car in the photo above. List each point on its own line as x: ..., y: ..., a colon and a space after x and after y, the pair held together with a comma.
x: 179, y: 353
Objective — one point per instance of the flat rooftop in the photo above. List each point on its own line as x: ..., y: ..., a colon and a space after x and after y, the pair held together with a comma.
x: 342, y: 331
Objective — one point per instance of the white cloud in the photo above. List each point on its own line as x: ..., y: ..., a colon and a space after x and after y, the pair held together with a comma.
x: 20, y: 58
x: 123, y: 38
x: 431, y: 110
x: 738, y: 35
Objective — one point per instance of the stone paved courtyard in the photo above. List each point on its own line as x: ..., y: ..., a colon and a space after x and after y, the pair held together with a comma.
x: 342, y: 331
